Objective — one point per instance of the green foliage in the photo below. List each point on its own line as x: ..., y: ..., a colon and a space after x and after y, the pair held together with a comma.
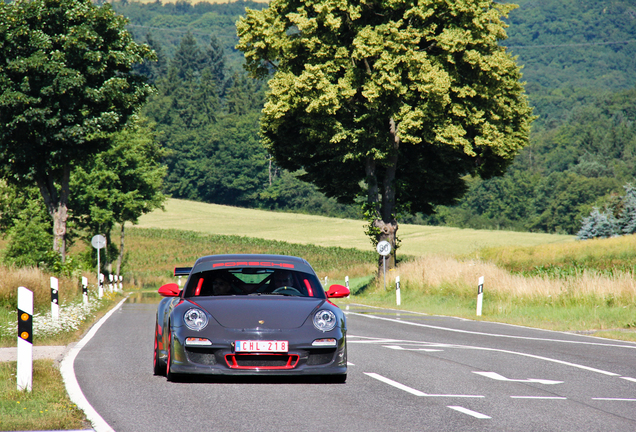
x: 171, y: 21
x: 65, y: 82
x: 572, y: 50
x: 561, y: 176
x: 30, y: 237
x: 619, y: 218
x: 575, y: 58
x: 392, y: 101
x: 120, y: 184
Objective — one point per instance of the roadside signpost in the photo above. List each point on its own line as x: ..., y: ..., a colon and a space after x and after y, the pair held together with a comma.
x: 384, y: 249
x: 98, y: 242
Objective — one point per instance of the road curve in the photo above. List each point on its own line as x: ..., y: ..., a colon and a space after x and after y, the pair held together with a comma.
x: 408, y: 371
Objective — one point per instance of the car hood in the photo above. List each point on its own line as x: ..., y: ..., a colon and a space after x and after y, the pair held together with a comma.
x: 242, y: 312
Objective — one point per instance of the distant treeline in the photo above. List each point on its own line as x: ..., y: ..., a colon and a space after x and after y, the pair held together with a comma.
x: 579, y: 63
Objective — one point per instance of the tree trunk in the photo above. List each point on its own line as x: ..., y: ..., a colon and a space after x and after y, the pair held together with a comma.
x: 388, y: 225
x: 57, y: 206
x: 385, y: 225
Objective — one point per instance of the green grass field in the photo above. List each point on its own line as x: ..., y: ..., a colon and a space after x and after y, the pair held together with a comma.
x: 417, y: 240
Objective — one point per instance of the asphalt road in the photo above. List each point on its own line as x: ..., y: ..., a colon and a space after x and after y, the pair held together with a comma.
x: 408, y: 372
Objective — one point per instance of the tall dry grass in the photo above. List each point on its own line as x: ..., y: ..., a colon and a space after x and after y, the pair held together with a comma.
x: 435, y: 271
x: 36, y: 281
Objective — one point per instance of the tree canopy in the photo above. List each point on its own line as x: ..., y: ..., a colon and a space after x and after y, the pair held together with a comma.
x: 393, y: 101
x: 65, y: 83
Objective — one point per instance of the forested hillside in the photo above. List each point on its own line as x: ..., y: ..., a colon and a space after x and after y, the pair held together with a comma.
x: 579, y: 64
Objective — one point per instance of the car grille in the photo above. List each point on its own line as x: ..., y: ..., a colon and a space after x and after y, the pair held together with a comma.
x: 203, y: 356
x: 320, y: 356
x: 261, y: 361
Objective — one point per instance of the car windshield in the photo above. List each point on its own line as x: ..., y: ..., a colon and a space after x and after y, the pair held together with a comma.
x: 254, y: 281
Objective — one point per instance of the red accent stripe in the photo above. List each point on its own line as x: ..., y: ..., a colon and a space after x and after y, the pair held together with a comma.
x: 309, y: 290
x: 198, y: 290
x: 292, y: 361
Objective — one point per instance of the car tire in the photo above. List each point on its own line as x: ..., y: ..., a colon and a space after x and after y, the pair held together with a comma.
x: 159, y: 367
x: 335, y: 379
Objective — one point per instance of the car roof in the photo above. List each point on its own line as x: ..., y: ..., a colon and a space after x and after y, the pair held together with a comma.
x: 212, y: 262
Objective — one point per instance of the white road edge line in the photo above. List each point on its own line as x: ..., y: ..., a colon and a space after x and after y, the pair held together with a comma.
x: 412, y: 390
x: 492, y: 334
x: 469, y: 412
x: 629, y: 379
x: 70, y: 381
x: 591, y: 369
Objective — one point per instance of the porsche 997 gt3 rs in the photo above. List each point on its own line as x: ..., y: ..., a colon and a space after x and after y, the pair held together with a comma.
x: 250, y: 315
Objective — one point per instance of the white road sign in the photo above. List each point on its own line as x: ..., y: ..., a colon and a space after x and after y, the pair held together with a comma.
x: 384, y: 248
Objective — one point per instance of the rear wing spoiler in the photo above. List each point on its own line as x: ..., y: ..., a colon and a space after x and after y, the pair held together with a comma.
x: 182, y: 271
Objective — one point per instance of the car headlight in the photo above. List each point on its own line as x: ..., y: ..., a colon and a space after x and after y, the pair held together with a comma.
x: 325, y: 320
x: 195, y: 319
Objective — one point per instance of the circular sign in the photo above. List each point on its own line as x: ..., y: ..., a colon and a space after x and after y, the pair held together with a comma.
x: 98, y: 241
x: 384, y: 248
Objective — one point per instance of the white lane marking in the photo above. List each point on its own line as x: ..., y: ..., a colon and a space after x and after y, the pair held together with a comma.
x: 490, y: 334
x: 615, y: 399
x: 72, y: 386
x: 539, y: 397
x: 496, y: 376
x: 590, y: 369
x: 399, y: 348
x: 395, y: 384
x: 350, y: 364
x: 412, y: 390
x: 629, y: 379
x: 469, y: 412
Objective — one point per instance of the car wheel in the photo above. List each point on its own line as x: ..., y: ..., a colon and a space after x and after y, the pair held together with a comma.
x: 335, y: 379
x: 158, y: 366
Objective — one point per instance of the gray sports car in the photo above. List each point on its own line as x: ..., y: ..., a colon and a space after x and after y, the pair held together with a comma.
x: 250, y: 315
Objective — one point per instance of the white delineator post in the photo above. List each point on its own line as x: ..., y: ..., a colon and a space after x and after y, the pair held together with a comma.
x: 85, y: 289
x: 55, y: 305
x: 347, y: 281
x: 101, y: 285
x: 480, y: 295
x: 398, y: 296
x: 24, y: 373
x: 110, y: 285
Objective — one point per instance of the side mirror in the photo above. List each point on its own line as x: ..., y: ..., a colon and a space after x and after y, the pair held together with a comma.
x: 170, y: 290
x: 338, y: 291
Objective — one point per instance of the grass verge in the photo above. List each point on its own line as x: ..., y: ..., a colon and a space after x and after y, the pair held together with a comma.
x: 589, y: 301
x: 46, y: 407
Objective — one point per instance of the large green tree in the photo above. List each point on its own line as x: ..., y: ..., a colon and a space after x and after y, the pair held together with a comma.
x: 392, y: 100
x: 65, y: 83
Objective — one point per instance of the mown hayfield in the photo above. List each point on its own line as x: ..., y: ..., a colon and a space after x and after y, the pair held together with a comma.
x: 417, y: 240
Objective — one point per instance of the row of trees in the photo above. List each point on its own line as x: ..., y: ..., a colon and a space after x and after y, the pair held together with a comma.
x: 581, y: 140
x: 207, y: 116
x: 565, y: 172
